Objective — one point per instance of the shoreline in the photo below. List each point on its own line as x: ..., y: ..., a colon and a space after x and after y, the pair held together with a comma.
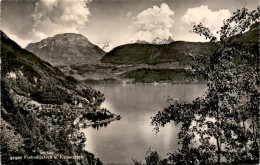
x: 98, y: 122
x: 132, y: 82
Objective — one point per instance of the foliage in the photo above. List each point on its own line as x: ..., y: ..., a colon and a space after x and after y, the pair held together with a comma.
x: 148, y: 75
x: 24, y: 133
x: 97, y: 116
x: 152, y: 158
x: 223, y: 124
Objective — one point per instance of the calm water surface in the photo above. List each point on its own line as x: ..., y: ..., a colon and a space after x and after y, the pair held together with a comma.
x: 132, y: 136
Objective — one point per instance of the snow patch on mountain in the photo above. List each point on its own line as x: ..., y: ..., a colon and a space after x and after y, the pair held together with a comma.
x: 159, y: 41
x: 107, y: 46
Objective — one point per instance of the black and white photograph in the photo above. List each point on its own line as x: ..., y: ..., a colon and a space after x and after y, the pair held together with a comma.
x: 130, y: 82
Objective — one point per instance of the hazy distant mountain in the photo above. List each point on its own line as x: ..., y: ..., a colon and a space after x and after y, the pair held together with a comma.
x: 66, y: 49
x: 107, y: 46
x: 142, y: 42
x: 158, y: 40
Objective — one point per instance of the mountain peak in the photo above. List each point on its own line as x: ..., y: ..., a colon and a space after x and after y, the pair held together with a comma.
x: 159, y: 40
x: 66, y: 49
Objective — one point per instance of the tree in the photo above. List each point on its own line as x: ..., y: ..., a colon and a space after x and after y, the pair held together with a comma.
x: 222, y: 125
x: 152, y: 158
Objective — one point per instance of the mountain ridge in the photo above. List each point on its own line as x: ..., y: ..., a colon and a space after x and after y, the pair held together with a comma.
x: 153, y: 53
x: 176, y: 51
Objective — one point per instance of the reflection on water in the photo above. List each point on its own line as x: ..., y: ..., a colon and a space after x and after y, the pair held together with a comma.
x: 97, y: 126
x: 122, y: 140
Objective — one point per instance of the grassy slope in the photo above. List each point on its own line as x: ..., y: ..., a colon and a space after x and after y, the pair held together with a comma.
x: 149, y: 53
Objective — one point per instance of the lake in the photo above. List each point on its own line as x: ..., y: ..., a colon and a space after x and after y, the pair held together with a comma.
x: 132, y: 136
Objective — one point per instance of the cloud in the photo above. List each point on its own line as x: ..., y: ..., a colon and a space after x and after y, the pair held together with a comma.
x: 153, y: 22
x: 211, y: 19
x: 181, y: 27
x: 129, y: 14
x: 59, y: 16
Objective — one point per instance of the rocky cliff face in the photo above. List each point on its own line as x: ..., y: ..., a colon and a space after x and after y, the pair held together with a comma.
x: 66, y: 49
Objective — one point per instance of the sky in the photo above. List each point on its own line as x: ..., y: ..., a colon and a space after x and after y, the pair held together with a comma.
x: 116, y: 21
